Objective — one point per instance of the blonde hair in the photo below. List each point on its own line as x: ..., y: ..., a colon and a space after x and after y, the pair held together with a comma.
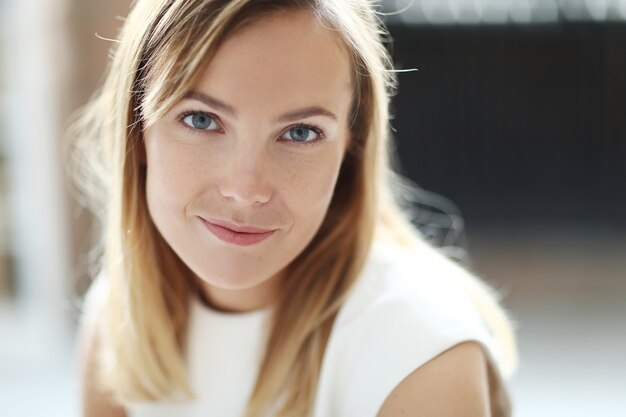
x: 163, y: 46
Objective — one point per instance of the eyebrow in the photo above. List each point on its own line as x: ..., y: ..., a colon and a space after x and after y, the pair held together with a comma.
x: 211, y: 102
x: 287, y: 117
x: 306, y: 112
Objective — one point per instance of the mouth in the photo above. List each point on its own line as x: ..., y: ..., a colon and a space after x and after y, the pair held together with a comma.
x: 236, y: 234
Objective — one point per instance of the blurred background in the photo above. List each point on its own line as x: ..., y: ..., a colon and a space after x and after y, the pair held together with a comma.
x: 516, y: 115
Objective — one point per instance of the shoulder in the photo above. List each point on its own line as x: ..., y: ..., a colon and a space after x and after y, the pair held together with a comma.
x: 414, y: 290
x: 455, y: 383
x: 403, y: 313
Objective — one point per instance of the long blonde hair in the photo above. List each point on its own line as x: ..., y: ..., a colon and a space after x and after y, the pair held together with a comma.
x: 162, y: 49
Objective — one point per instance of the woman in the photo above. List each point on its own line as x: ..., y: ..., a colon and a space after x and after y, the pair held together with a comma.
x: 255, y: 262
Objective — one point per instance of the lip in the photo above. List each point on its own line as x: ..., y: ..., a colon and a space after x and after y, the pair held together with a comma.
x: 236, y: 234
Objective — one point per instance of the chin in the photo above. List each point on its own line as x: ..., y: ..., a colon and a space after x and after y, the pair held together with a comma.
x: 233, y: 283
x: 236, y: 277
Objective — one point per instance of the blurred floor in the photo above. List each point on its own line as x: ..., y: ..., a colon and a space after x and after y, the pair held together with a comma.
x: 36, y: 379
x: 568, y: 295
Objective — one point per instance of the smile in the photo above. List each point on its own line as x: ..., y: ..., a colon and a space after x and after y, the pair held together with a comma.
x: 237, y: 235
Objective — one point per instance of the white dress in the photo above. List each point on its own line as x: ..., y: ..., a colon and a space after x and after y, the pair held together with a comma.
x: 403, y: 312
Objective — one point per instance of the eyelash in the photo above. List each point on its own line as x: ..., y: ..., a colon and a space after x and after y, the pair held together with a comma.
x: 320, y: 133
x: 181, y: 120
x: 317, y: 130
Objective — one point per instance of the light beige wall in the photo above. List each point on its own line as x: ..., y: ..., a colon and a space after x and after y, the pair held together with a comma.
x: 90, y: 24
x: 35, y: 65
x: 87, y: 21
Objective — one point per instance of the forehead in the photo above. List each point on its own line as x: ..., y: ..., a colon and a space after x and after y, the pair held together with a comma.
x: 281, y: 59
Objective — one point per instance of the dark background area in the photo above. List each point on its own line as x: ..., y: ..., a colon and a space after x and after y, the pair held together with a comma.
x: 522, y: 126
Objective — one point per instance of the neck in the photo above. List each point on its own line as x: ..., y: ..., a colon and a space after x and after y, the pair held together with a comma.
x: 237, y: 300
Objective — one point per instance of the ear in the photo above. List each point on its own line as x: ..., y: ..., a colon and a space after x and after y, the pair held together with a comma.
x: 141, y: 152
x: 350, y: 139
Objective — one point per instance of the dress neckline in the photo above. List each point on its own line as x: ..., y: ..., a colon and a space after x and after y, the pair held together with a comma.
x: 206, y: 310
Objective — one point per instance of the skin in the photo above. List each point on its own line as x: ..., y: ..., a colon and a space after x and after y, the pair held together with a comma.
x: 244, y: 168
x: 453, y: 384
x: 245, y: 172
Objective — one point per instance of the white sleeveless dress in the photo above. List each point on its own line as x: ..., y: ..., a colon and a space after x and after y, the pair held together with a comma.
x: 403, y: 312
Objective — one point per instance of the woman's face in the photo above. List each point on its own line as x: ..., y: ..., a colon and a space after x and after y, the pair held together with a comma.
x: 240, y: 173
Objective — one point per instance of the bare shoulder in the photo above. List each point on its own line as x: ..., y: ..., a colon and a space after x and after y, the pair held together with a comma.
x: 453, y: 384
x: 93, y: 402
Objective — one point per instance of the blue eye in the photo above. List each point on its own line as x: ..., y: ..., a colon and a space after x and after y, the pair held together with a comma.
x: 200, y: 121
x: 302, y: 134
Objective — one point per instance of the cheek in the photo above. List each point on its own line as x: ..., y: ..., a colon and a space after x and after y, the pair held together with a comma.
x: 165, y: 174
x: 171, y: 170
x: 309, y: 186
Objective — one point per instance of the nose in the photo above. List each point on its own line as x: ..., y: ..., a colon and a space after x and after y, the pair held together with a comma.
x: 245, y: 179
